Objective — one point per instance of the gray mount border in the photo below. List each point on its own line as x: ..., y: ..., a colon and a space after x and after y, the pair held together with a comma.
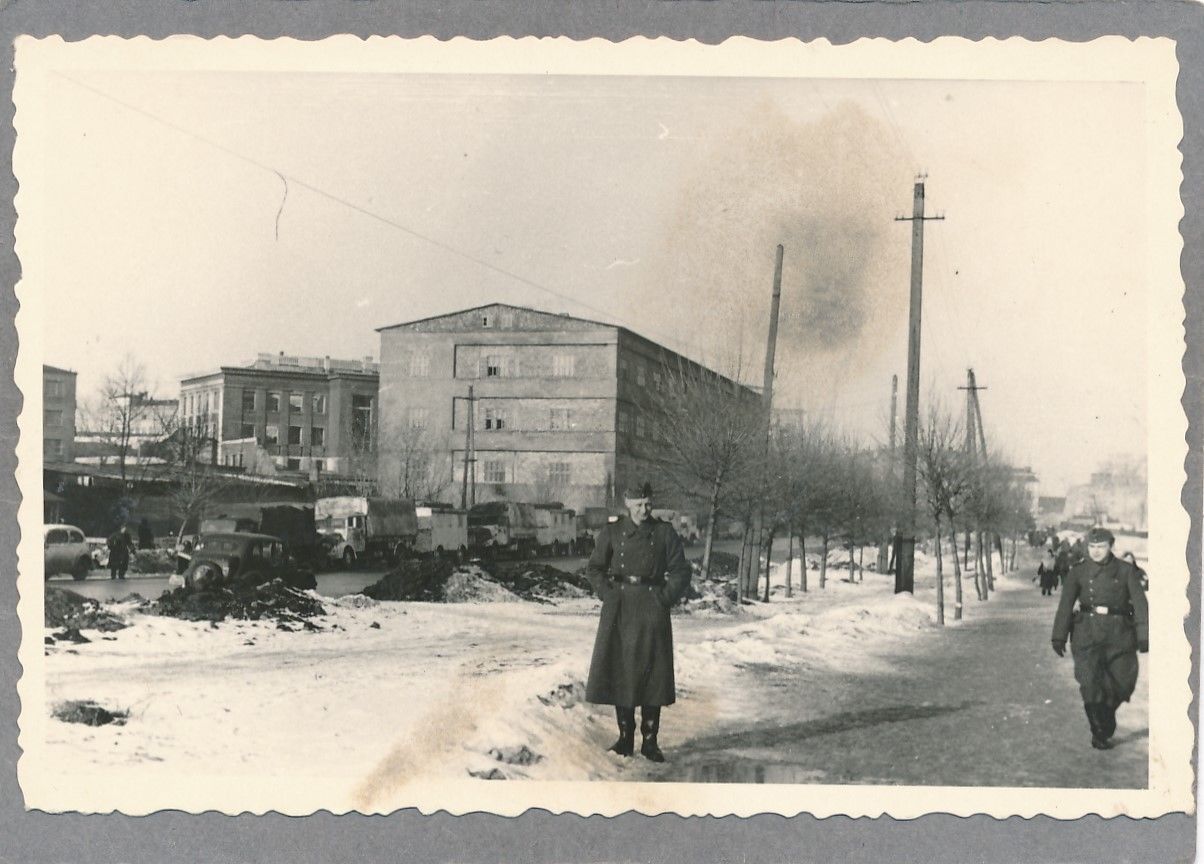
x: 538, y: 835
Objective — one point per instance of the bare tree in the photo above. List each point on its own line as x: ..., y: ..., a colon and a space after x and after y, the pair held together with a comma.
x: 711, y: 429
x: 944, y: 469
x: 118, y: 409
x: 409, y: 464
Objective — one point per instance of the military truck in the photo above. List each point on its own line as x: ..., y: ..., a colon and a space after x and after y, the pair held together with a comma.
x: 356, y: 528
x: 556, y: 529
x: 504, y: 528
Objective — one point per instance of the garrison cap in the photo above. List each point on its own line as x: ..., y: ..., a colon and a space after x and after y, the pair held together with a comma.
x: 638, y: 488
x: 1100, y: 535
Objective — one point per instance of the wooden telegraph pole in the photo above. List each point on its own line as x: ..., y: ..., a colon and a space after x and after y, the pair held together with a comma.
x: 771, y: 344
x: 905, y: 569
x: 886, y: 548
x: 467, y: 500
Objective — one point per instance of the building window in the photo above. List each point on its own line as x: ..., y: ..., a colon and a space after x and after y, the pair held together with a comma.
x: 248, y: 430
x: 493, y: 366
x: 319, y: 406
x: 293, y: 464
x: 52, y: 417
x: 420, y: 365
x: 248, y: 400
x: 273, y: 401
x: 495, y: 418
x: 419, y: 417
x: 52, y: 447
x: 559, y: 473
x: 639, y: 373
x: 296, y: 401
x: 294, y: 434
x: 564, y: 366
x: 319, y: 465
x: 361, y: 421
x: 271, y: 434
x: 495, y: 471
x: 484, y: 320
x: 54, y: 389
x: 317, y: 436
x: 640, y: 429
x: 560, y: 419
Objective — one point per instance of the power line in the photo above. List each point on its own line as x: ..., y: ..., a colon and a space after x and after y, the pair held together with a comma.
x: 287, y: 178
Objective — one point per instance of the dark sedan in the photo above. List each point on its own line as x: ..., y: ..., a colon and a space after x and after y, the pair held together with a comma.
x: 244, y: 557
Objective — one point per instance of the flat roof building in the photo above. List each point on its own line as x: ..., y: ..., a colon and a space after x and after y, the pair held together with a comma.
x: 563, y: 409
x: 308, y: 414
x: 58, y: 414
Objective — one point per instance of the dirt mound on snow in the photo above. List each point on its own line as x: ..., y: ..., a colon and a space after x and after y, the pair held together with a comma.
x: 540, y: 582
x: 271, y: 600
x: 723, y: 564
x: 443, y: 582
x: 65, y: 608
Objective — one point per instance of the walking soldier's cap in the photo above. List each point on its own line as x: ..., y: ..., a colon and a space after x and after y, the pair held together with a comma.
x: 638, y: 489
x: 1100, y: 535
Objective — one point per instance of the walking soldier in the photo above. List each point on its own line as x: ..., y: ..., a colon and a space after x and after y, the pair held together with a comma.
x: 639, y: 570
x: 1107, y: 631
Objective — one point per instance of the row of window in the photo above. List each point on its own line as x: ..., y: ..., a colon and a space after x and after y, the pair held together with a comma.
x: 494, y: 471
x: 494, y: 418
x: 296, y: 401
x: 497, y: 366
x: 201, y: 402
x: 271, y: 434
x: 53, y: 389
x: 52, y: 447
x: 52, y: 417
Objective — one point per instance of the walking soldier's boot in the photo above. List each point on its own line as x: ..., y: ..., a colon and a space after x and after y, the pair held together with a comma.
x: 625, y: 746
x: 650, y: 724
x: 1095, y: 717
x: 1107, y: 716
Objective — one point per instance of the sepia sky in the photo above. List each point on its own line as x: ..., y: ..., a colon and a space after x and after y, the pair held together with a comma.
x: 202, y: 217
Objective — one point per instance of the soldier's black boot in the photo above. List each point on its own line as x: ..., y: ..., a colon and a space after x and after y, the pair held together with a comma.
x: 625, y: 746
x: 650, y: 724
x: 1095, y: 718
x: 1107, y: 716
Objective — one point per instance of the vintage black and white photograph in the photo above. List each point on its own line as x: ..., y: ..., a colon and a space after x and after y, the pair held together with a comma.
x: 659, y: 426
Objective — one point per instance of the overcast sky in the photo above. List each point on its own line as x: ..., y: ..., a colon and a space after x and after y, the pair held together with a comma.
x: 200, y: 218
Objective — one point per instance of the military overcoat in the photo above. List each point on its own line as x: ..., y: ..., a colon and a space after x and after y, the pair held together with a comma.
x: 1104, y: 645
x: 639, y: 571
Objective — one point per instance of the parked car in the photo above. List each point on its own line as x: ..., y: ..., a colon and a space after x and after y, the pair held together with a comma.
x: 245, y: 557
x: 100, y: 551
x: 66, y: 551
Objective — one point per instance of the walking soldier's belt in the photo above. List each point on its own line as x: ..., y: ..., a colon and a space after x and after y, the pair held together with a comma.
x: 1104, y: 610
x: 632, y: 580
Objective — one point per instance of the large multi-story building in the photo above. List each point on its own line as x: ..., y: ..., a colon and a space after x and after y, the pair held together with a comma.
x: 563, y: 409
x: 58, y: 414
x: 312, y: 414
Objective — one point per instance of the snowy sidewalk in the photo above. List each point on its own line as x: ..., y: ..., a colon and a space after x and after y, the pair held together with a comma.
x: 982, y: 703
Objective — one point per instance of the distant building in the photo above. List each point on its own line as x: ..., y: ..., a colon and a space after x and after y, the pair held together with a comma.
x: 1116, y: 496
x: 307, y: 414
x: 1050, y: 509
x: 58, y: 414
x: 1026, y: 480
x: 564, y: 409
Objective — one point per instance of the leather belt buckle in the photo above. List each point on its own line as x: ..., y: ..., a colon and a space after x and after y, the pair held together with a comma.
x: 1100, y: 610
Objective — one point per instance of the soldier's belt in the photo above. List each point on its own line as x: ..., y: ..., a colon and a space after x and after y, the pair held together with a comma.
x: 1103, y: 610
x: 632, y: 580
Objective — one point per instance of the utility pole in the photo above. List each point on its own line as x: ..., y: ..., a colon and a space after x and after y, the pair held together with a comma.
x: 469, y: 456
x: 771, y: 344
x: 905, y: 569
x: 971, y: 389
x: 889, y: 547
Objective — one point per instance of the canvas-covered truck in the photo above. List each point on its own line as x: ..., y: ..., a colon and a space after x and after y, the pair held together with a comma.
x: 590, y: 521
x: 555, y: 530
x: 504, y: 528
x: 442, y: 532
x: 357, y: 528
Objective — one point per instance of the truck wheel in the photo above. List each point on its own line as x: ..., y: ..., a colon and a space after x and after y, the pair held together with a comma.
x: 349, y: 558
x: 461, y: 555
x: 80, y: 571
x: 438, y: 553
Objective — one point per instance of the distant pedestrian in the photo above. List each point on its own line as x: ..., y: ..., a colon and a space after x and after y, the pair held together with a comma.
x: 1078, y: 552
x: 1063, y: 561
x: 1047, y: 573
x: 1107, y: 631
x: 120, y: 543
x: 639, y: 570
x: 146, y: 538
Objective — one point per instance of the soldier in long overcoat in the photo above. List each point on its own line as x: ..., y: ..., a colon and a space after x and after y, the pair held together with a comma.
x: 1109, y: 628
x: 639, y: 570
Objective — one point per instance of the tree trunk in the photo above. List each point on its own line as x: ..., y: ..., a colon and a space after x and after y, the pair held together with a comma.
x: 823, y: 564
x: 967, y: 555
x: 790, y: 561
x: 978, y: 577
x: 768, y: 560
x: 802, y: 548
x: 940, y: 580
x: 709, y: 542
x: 957, y: 578
x: 740, y: 566
x: 860, y: 563
x: 1003, y: 564
x: 852, y: 562
x: 990, y: 567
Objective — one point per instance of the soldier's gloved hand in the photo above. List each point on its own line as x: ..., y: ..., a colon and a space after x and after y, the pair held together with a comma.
x: 1143, y: 646
x: 1059, y: 647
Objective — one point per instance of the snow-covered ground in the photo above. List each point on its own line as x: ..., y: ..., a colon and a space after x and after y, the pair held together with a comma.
x: 385, y: 695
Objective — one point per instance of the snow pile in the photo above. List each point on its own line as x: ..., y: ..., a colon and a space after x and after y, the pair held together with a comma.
x: 899, y: 614
x: 355, y: 601
x: 73, y: 611
x: 241, y: 600
x: 473, y: 585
